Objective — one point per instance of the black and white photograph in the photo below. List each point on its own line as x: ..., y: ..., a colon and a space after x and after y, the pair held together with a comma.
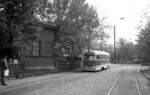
x: 74, y: 47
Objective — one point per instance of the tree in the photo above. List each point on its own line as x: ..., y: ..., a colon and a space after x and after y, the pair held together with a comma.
x: 144, y: 43
x: 125, y: 51
x: 99, y: 39
x: 15, y: 28
x: 73, y: 18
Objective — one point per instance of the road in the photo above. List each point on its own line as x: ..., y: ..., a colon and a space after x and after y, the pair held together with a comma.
x: 117, y: 80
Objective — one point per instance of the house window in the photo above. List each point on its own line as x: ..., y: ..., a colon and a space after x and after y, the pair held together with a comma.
x: 36, y: 48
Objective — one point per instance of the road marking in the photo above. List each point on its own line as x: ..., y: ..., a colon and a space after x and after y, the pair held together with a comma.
x: 139, y: 93
x: 114, y: 84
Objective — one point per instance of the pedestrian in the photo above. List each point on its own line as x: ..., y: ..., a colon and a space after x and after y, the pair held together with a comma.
x: 3, y: 67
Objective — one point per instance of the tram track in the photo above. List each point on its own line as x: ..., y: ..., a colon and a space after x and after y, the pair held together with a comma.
x: 138, y: 86
x: 116, y: 82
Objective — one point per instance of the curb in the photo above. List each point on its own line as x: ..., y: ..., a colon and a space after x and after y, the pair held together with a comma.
x: 144, y: 73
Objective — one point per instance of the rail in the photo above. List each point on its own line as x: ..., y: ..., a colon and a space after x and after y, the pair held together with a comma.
x: 117, y: 80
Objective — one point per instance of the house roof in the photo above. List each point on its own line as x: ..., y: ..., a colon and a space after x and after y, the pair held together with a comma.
x: 45, y: 26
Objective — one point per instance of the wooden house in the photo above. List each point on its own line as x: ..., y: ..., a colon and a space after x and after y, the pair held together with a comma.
x: 40, y: 52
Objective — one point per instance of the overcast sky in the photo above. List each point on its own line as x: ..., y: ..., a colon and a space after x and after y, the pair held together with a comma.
x: 131, y: 10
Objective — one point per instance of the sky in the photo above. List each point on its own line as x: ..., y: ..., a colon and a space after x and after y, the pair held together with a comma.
x: 113, y: 10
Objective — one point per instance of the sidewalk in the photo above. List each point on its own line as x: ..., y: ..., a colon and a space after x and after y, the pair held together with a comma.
x: 32, y: 77
x: 145, y: 70
x: 29, y: 76
x: 27, y: 82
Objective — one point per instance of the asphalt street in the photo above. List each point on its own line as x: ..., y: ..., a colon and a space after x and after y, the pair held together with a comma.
x: 117, y: 80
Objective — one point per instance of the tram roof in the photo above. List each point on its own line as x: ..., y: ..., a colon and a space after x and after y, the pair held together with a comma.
x: 96, y: 52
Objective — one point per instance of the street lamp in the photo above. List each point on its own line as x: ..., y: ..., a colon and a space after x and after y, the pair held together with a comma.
x: 122, y: 18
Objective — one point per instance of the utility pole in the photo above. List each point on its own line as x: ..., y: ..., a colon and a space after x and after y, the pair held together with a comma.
x: 102, y: 39
x: 115, y: 59
x: 114, y: 44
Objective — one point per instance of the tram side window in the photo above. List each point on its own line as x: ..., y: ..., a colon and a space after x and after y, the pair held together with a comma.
x: 89, y: 57
x: 98, y: 57
x: 102, y: 57
x: 105, y: 56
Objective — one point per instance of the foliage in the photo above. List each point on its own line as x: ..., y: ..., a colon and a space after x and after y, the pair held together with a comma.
x: 126, y: 51
x: 77, y: 24
x: 144, y: 43
x: 15, y: 29
x: 75, y: 19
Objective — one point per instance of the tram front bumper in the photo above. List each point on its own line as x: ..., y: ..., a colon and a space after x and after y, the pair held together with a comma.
x: 90, y: 69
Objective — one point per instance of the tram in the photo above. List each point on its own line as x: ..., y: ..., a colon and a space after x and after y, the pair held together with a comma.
x: 95, y: 60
